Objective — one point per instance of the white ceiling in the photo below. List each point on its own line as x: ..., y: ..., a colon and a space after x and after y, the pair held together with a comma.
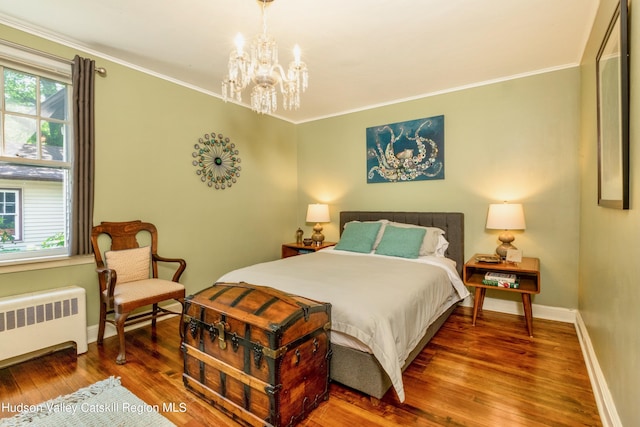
x: 360, y: 53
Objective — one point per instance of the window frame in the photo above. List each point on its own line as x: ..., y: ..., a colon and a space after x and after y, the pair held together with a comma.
x: 40, y: 65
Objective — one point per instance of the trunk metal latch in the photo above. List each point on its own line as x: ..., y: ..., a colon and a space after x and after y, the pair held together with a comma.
x: 221, y: 327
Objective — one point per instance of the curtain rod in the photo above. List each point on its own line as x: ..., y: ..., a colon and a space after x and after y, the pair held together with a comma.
x: 100, y: 70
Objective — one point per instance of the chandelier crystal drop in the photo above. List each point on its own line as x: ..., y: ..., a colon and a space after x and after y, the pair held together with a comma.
x: 261, y: 68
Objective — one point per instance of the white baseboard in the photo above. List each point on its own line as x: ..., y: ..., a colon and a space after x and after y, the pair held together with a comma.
x: 110, y: 330
x: 559, y: 314
x: 604, y: 400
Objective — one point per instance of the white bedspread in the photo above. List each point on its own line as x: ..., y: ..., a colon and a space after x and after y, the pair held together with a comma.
x: 385, y: 302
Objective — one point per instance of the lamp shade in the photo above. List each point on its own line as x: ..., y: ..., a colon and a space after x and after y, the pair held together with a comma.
x: 505, y: 216
x: 318, y: 212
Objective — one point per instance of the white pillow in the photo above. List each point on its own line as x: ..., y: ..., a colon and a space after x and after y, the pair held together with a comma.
x: 442, y: 246
x: 130, y: 264
x: 431, y: 244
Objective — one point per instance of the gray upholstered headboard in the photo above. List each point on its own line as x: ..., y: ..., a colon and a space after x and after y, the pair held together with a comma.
x: 451, y: 222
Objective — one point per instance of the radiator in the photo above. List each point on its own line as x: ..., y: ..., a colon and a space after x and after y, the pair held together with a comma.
x: 35, y: 321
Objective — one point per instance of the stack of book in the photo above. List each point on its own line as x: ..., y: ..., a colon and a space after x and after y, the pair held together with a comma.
x: 503, y: 280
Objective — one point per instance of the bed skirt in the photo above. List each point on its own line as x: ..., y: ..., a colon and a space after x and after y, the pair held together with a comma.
x: 361, y: 371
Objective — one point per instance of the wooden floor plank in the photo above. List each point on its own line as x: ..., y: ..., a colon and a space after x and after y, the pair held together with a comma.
x: 488, y: 375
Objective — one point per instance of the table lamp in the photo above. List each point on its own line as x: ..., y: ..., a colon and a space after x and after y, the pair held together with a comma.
x: 318, y: 213
x: 505, y: 216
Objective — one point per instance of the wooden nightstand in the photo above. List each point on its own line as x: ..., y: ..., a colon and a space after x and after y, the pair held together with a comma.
x: 293, y: 249
x: 527, y: 271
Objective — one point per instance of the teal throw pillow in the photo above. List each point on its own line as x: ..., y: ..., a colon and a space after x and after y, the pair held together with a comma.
x: 401, y: 242
x: 358, y: 236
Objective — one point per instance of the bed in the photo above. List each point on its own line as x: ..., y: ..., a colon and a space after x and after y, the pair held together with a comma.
x: 384, y: 311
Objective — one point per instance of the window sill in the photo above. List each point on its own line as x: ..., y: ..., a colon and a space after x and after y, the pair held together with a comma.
x: 31, y: 265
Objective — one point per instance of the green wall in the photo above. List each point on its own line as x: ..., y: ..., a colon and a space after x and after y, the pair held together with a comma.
x: 609, y: 294
x: 146, y: 128
x: 530, y: 140
x: 516, y: 140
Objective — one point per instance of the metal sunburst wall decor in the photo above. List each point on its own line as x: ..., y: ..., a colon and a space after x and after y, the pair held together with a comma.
x: 216, y: 158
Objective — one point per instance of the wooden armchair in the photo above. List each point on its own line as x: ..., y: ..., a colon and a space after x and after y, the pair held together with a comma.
x: 128, y: 277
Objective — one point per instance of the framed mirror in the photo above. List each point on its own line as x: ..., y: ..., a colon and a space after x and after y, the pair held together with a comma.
x: 612, y: 73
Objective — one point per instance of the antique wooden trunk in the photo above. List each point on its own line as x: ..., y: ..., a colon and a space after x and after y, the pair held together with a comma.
x: 260, y: 355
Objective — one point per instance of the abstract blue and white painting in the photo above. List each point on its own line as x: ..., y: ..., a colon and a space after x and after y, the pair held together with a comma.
x: 406, y: 151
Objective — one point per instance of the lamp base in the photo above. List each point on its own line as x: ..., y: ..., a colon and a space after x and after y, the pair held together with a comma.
x: 506, y: 238
x: 503, y: 248
x: 317, y: 235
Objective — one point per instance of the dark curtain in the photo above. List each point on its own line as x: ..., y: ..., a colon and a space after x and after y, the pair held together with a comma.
x: 84, y: 155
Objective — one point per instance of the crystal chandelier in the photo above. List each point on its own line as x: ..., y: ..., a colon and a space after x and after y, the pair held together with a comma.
x: 261, y: 68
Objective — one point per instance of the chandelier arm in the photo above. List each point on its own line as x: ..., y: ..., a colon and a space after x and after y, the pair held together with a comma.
x: 283, y: 76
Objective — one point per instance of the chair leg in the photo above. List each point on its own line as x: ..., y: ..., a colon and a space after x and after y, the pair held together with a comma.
x: 153, y: 317
x: 102, y: 321
x: 120, y: 319
x: 181, y: 324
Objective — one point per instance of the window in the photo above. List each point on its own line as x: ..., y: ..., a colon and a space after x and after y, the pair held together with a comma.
x: 10, y: 229
x: 35, y: 166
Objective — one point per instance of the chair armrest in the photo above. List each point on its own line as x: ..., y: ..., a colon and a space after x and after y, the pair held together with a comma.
x: 107, y: 278
x: 181, y: 267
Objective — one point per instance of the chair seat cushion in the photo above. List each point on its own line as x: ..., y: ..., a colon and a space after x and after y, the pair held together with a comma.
x: 130, y: 295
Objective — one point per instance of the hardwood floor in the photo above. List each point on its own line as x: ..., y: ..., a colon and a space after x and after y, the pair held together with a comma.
x: 492, y: 374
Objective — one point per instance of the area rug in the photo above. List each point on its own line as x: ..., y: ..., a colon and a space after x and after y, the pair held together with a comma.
x: 105, y: 403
